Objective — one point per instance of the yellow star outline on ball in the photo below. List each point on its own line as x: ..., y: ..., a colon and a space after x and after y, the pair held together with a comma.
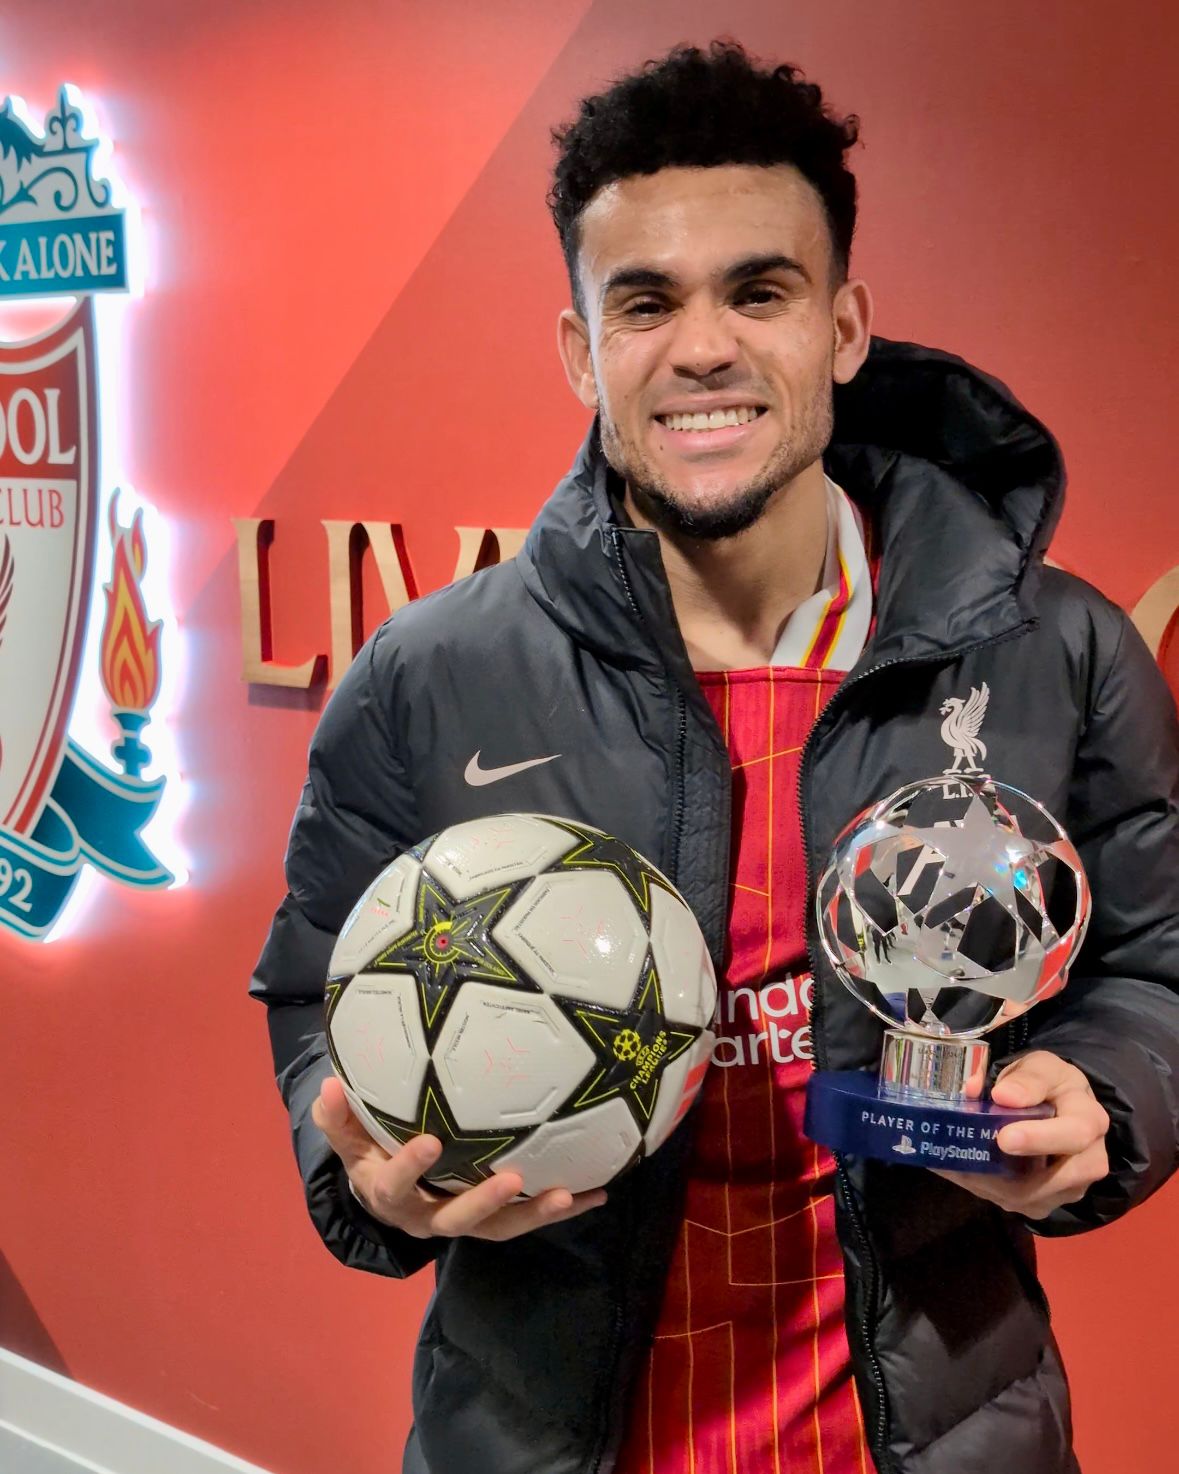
x: 331, y: 997
x: 599, y: 851
x: 450, y: 943
x: 465, y: 1154
x: 633, y: 1047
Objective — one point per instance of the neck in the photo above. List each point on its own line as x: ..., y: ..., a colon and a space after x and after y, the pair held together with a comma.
x: 733, y: 596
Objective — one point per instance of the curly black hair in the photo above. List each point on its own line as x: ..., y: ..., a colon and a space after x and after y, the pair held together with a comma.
x: 699, y: 109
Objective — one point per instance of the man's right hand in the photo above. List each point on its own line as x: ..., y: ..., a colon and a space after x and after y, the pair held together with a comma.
x: 388, y: 1185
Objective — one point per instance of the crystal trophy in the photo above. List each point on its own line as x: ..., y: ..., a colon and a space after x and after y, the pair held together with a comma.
x: 949, y: 909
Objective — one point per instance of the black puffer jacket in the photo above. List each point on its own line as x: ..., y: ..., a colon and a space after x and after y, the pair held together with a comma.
x: 529, y: 1348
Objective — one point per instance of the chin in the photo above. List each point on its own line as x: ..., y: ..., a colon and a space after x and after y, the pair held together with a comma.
x: 712, y: 492
x: 708, y: 518
x: 712, y: 489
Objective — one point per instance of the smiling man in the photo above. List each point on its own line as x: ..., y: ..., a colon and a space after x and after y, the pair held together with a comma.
x: 784, y: 550
x: 695, y: 306
x: 713, y: 318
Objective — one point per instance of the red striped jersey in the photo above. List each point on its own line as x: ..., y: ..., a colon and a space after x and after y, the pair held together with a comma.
x: 750, y: 1368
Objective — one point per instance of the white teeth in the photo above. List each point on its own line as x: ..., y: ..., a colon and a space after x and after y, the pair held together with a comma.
x: 717, y: 419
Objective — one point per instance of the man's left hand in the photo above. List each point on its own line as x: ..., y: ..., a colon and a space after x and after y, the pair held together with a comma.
x: 1073, y: 1140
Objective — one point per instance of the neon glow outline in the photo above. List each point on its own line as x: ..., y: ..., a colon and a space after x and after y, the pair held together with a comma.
x: 90, y: 720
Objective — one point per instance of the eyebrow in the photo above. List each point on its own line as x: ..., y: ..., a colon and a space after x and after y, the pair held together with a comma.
x: 743, y: 270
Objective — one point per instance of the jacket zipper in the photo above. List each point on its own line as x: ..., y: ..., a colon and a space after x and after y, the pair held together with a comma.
x: 878, y: 1435
x: 674, y: 858
x: 677, y: 825
x: 878, y: 1421
x: 681, y: 714
x: 616, y: 544
x: 617, y: 1324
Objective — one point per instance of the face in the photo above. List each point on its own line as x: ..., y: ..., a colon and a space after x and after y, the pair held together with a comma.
x: 711, y: 338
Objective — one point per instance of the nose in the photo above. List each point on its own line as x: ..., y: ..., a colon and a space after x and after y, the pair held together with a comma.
x: 704, y: 344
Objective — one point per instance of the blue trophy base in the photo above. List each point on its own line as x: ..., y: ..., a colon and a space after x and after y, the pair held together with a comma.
x: 848, y: 1111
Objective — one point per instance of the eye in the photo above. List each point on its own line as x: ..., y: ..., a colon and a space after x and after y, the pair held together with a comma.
x: 758, y: 296
x: 645, y: 307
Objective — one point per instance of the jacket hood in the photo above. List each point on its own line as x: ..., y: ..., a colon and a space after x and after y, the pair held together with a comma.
x: 963, y: 484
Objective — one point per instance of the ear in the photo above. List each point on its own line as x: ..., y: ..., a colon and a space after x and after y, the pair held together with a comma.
x: 573, y: 344
x: 851, y: 312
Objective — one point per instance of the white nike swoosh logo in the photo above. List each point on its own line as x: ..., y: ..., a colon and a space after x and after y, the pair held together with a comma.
x: 477, y: 776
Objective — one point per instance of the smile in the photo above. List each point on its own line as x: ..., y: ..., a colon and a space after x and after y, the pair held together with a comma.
x: 717, y: 419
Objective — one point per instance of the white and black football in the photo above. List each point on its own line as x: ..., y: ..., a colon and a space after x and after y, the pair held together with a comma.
x: 531, y: 991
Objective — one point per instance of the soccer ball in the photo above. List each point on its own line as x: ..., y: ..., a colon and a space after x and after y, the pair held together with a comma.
x: 529, y: 990
x: 953, y: 905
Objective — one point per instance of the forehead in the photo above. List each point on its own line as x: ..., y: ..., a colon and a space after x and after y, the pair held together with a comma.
x: 689, y: 223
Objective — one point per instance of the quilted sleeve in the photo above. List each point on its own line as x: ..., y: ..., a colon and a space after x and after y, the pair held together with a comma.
x: 1118, y: 1018
x: 356, y: 814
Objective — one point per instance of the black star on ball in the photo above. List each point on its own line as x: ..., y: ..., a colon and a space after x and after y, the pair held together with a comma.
x: 450, y: 944
x: 603, y: 852
x: 466, y: 1155
x: 632, y: 1048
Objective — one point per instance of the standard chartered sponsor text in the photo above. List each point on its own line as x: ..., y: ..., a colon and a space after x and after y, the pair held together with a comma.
x: 779, y: 1012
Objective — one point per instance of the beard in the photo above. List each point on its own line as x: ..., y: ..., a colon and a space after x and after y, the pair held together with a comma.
x: 710, y: 519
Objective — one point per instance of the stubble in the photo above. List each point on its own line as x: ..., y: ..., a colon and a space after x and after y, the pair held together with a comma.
x: 712, y: 517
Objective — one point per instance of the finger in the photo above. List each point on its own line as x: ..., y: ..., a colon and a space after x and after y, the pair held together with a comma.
x: 1066, y: 1181
x: 334, y: 1117
x: 1033, y: 1079
x: 1038, y: 1193
x: 1090, y: 1168
x: 1078, y: 1123
x: 487, y: 1211
x: 551, y: 1207
x: 1011, y: 1193
x: 387, y: 1184
x: 468, y: 1210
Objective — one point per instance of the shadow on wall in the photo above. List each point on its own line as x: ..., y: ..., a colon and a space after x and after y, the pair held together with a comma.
x: 21, y: 1331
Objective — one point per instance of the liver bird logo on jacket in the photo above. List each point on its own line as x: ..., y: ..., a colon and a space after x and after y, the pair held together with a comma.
x: 963, y: 718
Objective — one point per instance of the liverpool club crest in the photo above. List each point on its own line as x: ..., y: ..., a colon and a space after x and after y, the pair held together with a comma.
x: 61, y: 806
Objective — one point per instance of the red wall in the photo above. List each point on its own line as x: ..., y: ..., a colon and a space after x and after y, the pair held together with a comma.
x: 350, y: 313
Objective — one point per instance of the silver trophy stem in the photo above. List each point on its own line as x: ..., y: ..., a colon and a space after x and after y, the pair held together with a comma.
x: 938, y: 1069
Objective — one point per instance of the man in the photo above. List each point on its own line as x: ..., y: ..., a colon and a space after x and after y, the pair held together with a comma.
x: 784, y: 547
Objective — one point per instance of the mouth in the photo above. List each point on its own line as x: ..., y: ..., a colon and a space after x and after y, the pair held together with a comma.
x: 705, y: 434
x: 709, y: 421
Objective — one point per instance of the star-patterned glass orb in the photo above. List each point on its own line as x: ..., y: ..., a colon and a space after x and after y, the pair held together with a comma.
x: 953, y: 906
x: 529, y: 990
